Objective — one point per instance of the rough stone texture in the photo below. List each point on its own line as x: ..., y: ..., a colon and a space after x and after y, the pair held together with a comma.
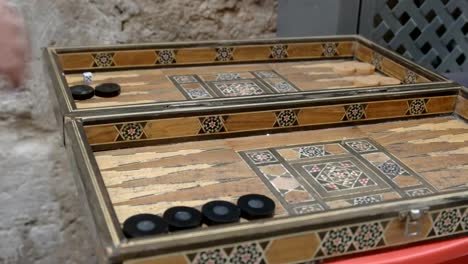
x: 41, y: 220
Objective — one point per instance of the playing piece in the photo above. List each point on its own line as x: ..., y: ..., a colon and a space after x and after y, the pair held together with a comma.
x: 87, y: 78
x: 256, y: 206
x: 182, y: 217
x: 82, y: 92
x: 144, y: 225
x: 220, y: 212
x: 107, y: 90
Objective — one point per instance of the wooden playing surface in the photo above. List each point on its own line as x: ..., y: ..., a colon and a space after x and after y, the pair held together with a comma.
x: 208, y: 82
x: 304, y: 172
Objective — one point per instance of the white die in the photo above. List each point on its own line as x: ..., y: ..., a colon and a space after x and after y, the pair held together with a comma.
x: 87, y: 78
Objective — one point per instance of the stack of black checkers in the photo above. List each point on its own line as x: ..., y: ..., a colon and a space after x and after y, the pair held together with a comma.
x: 83, y: 92
x: 250, y: 207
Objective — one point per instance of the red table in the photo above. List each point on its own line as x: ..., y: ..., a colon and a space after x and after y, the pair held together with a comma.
x: 454, y: 251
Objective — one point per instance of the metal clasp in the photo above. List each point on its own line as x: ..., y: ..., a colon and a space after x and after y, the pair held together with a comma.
x: 413, y: 219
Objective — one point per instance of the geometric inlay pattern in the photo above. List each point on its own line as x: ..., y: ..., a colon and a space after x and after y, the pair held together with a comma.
x: 228, y: 76
x: 361, y: 146
x: 330, y: 241
x: 369, y: 199
x: 279, y: 51
x: 103, y: 59
x: 329, y: 49
x: 212, y: 124
x: 410, y: 77
x: 198, y: 93
x: 417, y: 107
x: 465, y: 221
x: 166, y: 56
x: 231, y: 84
x: 337, y: 241
x: 419, y: 192
x: 281, y: 86
x: 261, y: 157
x: 312, y: 151
x: 377, y: 61
x: 286, y: 118
x: 368, y: 236
x: 341, y: 177
x: 224, y: 54
x: 184, y: 79
x: 310, y: 178
x: 448, y: 221
x: 239, y: 88
x: 131, y: 131
x: 338, y: 175
x: 391, y: 168
x: 266, y: 74
x: 215, y: 256
x: 250, y: 253
x: 305, y: 209
x: 354, y: 112
x: 285, y: 184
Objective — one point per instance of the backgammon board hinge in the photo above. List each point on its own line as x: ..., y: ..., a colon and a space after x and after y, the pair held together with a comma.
x: 413, y: 220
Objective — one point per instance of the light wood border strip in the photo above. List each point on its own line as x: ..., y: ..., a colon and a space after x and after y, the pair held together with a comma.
x: 83, y: 61
x: 388, y: 66
x: 268, y: 120
x: 222, y: 53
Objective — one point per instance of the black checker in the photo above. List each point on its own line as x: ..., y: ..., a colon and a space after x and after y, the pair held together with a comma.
x: 182, y: 217
x: 107, y: 90
x: 144, y: 225
x: 220, y: 212
x: 256, y: 206
x: 82, y: 92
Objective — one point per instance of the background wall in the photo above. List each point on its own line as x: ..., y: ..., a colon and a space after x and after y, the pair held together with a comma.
x: 41, y: 220
x: 301, y: 18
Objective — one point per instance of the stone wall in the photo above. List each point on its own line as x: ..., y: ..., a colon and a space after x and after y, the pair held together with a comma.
x: 41, y: 220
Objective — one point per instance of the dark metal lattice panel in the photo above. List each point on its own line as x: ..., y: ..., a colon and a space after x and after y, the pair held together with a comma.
x: 433, y: 33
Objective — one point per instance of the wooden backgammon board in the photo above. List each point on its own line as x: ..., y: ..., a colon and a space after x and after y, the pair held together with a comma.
x: 358, y: 148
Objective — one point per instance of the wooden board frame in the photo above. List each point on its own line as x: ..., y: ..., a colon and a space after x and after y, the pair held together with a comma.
x: 412, y: 75
x: 271, y: 237
x: 183, y: 246
x: 162, y: 127
x: 461, y: 107
x: 278, y: 233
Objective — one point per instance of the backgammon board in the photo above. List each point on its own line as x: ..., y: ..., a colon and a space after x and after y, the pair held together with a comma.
x: 358, y: 148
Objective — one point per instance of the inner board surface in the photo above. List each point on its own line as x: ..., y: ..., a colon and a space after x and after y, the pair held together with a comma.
x: 304, y: 172
x: 208, y: 82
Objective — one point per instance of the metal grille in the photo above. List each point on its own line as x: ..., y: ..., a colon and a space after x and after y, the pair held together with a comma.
x: 432, y: 33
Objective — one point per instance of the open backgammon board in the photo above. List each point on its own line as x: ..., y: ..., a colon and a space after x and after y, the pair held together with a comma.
x: 358, y: 148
